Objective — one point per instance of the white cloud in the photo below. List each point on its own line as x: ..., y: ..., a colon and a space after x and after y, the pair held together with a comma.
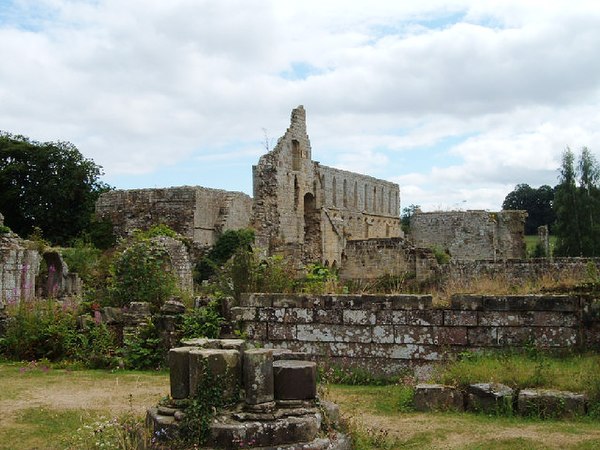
x: 457, y: 100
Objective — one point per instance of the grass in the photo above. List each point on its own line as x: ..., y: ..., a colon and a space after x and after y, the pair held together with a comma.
x: 531, y: 242
x: 47, y: 407
x: 577, y: 373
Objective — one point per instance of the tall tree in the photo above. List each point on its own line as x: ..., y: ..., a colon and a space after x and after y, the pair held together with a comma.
x: 48, y: 185
x: 577, y: 206
x: 537, y: 202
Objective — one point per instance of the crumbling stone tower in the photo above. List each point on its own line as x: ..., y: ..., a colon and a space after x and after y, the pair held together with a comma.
x: 308, y: 211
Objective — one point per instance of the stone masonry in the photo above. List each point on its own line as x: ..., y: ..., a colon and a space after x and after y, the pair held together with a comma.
x: 271, y: 402
x: 471, y: 235
x: 390, y: 333
x: 197, y: 213
x: 310, y: 211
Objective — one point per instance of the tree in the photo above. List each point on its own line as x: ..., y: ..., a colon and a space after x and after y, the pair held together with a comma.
x: 406, y: 215
x: 48, y: 185
x: 537, y: 202
x: 577, y: 206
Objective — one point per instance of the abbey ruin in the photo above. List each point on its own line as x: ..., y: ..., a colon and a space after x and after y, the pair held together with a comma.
x: 313, y: 213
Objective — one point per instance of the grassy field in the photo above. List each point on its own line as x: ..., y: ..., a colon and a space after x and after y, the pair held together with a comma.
x: 47, y: 408
x: 532, y: 240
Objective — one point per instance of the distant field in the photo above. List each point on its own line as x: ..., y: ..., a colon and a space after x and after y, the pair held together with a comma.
x: 532, y: 240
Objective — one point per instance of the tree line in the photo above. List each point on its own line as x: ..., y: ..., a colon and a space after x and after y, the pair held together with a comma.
x: 571, y: 209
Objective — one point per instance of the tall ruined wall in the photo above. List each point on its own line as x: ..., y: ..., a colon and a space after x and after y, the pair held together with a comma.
x: 372, y: 258
x: 19, y: 267
x: 471, y: 235
x: 197, y: 213
x: 309, y: 211
x: 389, y: 333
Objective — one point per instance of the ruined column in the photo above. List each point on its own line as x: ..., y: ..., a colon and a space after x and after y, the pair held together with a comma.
x: 544, y: 239
x: 258, y: 376
x: 295, y: 380
x: 221, y: 366
x: 179, y: 370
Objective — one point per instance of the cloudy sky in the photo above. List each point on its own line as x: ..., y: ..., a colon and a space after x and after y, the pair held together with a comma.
x: 457, y: 101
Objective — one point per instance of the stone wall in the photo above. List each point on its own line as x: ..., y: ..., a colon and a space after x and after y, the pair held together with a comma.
x: 471, y: 235
x: 180, y: 262
x: 390, y: 333
x: 309, y: 211
x: 520, y: 270
x: 19, y: 266
x: 195, y: 212
x: 369, y: 259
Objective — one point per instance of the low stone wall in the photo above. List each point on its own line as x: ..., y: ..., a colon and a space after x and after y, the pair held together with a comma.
x: 19, y: 267
x: 520, y: 269
x: 389, y: 333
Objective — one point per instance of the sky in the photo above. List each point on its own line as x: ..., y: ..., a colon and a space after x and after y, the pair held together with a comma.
x: 456, y: 101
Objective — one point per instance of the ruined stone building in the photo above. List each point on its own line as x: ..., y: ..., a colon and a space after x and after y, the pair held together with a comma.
x: 471, y: 235
x: 310, y: 211
x: 195, y: 212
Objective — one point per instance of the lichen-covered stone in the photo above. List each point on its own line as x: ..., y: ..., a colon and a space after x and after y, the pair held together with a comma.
x: 437, y: 397
x: 258, y: 376
x: 221, y: 365
x: 491, y: 398
x: 179, y: 372
x: 550, y: 403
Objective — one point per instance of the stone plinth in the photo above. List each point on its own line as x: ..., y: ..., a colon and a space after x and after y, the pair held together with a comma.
x: 490, y: 398
x: 295, y: 380
x: 437, y: 397
x: 550, y: 403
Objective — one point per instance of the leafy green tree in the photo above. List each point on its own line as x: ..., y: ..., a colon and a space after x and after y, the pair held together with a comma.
x: 537, y: 202
x: 406, y: 215
x: 48, y: 185
x: 577, y: 206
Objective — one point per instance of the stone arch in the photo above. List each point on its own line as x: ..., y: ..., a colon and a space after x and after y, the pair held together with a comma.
x: 53, y: 275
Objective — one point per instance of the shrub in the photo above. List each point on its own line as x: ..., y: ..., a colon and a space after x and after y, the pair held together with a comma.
x: 48, y: 330
x: 4, y: 229
x: 82, y: 258
x: 141, y: 272
x: 226, y: 246
x: 143, y: 350
x: 202, y: 322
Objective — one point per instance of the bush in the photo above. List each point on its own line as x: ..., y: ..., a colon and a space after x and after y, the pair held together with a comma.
x: 48, y: 330
x: 226, y: 246
x: 143, y: 350
x: 82, y: 258
x: 202, y: 322
x: 141, y: 273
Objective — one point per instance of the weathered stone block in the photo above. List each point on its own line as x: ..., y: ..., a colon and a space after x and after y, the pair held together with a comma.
x: 295, y: 380
x: 450, y: 336
x: 437, y: 397
x: 540, y: 302
x: 414, y: 335
x: 179, y: 372
x: 265, y: 434
x: 222, y: 366
x: 358, y: 317
x: 255, y: 330
x: 329, y: 316
x: 410, y: 317
x: 411, y: 302
x: 556, y: 337
x: 259, y: 300
x: 466, y: 302
x: 550, y: 403
x: 333, y: 333
x: 245, y: 313
x: 500, y: 336
x: 501, y: 318
x: 281, y: 331
x: 383, y: 334
x: 552, y: 319
x: 490, y: 398
x: 258, y: 376
x: 460, y: 318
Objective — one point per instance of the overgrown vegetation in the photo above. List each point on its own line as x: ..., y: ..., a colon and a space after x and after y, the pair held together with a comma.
x: 49, y: 330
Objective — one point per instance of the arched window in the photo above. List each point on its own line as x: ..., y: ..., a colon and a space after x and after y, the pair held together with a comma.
x: 296, y: 155
x: 334, y: 193
x: 345, y: 194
